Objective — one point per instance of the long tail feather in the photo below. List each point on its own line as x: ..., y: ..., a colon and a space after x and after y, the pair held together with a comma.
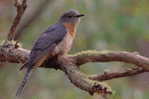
x: 25, y: 65
x: 25, y: 80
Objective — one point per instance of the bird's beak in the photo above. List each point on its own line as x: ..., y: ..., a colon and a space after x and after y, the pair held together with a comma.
x: 80, y: 15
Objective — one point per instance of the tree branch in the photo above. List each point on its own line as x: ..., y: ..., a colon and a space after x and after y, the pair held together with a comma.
x: 31, y: 17
x: 111, y: 56
x: 10, y: 52
x: 81, y: 80
x: 114, y: 75
x: 70, y: 64
x: 21, y: 6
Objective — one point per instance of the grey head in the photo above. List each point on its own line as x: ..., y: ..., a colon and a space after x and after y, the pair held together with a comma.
x: 72, y: 16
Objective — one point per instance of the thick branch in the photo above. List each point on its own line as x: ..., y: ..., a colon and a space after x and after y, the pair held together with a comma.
x: 111, y: 56
x: 10, y: 53
x: 81, y: 80
x: 21, y: 6
x: 85, y: 57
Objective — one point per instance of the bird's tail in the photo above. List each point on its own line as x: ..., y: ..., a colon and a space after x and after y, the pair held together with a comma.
x: 25, y: 80
x: 25, y: 65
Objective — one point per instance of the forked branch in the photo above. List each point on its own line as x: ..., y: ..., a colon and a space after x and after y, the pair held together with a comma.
x: 71, y: 63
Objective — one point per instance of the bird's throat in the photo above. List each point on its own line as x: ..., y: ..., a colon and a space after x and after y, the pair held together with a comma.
x: 71, y: 28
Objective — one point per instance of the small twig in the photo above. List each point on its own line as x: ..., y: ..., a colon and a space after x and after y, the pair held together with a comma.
x: 21, y: 6
x: 114, y: 75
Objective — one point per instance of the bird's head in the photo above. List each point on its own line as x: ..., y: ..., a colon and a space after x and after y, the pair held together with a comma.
x: 71, y: 17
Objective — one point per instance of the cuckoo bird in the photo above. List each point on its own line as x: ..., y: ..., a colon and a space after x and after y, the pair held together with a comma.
x: 55, y: 41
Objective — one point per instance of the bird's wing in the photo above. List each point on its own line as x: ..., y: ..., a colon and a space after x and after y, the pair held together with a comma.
x: 46, y: 43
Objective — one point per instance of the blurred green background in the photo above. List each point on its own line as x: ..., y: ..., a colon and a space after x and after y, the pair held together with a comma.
x: 108, y: 25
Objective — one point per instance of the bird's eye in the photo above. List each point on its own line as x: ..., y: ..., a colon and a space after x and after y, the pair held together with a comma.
x: 70, y: 16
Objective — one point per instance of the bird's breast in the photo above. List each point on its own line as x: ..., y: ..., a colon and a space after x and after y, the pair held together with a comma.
x: 65, y: 45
